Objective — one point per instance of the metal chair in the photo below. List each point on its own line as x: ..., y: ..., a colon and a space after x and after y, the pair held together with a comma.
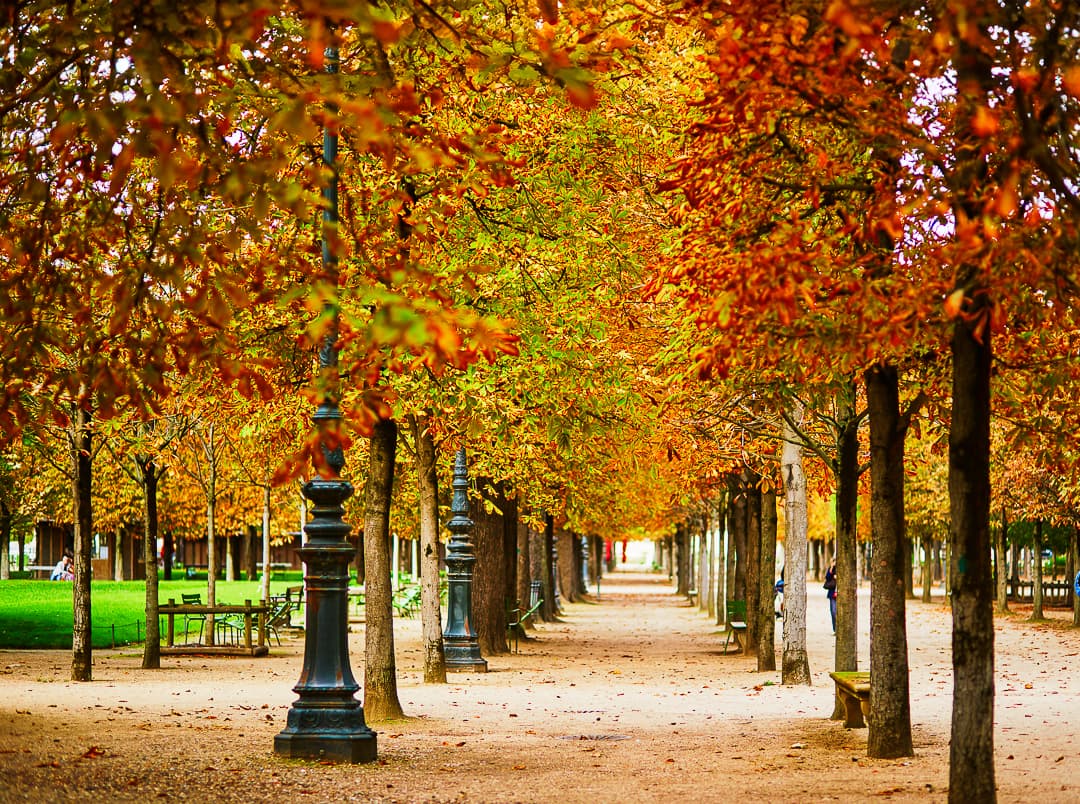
x: 516, y: 616
x: 193, y: 600
x: 736, y: 620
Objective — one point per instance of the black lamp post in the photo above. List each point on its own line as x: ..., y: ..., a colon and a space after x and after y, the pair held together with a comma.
x: 326, y: 721
x: 460, y: 645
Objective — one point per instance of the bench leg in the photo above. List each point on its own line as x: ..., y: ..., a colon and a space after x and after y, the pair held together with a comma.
x: 853, y: 708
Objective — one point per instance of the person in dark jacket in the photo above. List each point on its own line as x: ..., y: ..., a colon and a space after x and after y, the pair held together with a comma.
x: 830, y: 589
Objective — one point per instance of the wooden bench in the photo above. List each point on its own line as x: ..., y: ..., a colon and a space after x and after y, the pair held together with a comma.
x: 253, y: 619
x: 853, y: 690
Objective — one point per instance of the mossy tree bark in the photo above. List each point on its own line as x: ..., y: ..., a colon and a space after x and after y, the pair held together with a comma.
x: 753, y: 555
x: 80, y: 444
x: 737, y: 527
x: 150, y: 475
x: 549, y: 610
x: 971, y: 745
x: 5, y: 541
x: 522, y: 557
x: 766, y: 641
x: 380, y: 670
x: 430, y: 603
x: 1037, y: 575
x: 1076, y: 570
x: 795, y: 667
x: 489, y: 573
x: 846, y: 652
x: 890, y: 710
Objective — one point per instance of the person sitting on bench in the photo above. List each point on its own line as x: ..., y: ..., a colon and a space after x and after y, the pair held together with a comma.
x: 62, y: 570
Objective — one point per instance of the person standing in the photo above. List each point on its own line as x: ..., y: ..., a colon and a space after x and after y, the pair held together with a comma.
x: 830, y: 591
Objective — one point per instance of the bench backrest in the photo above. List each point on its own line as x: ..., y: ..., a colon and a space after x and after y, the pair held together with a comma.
x: 736, y: 611
x: 279, y: 614
x: 534, y: 593
x: 192, y: 599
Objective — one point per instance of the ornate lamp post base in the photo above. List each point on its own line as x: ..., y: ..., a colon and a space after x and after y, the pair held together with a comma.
x: 464, y: 657
x: 460, y: 644
x: 326, y: 722
x: 335, y: 733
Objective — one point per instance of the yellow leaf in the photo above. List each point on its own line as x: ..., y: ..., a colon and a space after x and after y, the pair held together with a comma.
x: 1006, y: 202
x: 954, y: 303
x: 1070, y: 81
x: 985, y: 123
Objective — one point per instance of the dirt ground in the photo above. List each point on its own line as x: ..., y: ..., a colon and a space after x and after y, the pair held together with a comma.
x: 630, y: 698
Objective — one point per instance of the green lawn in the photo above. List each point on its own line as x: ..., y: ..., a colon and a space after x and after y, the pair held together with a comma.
x: 37, y: 614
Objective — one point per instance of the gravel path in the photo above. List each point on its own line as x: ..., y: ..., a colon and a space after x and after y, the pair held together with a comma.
x: 630, y: 698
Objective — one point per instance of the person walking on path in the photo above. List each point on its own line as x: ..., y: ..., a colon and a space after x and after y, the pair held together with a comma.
x: 830, y: 591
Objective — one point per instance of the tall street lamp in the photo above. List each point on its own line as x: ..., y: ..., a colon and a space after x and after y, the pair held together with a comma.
x: 326, y: 721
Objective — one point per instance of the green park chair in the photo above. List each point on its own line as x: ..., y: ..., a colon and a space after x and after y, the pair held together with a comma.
x: 517, y: 616
x: 736, y: 621
x: 194, y: 599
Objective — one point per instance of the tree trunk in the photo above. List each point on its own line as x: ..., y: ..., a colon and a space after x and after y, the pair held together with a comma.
x: 267, y: 572
x: 210, y: 450
x: 565, y: 560
x: 599, y: 565
x: 725, y: 564
x: 149, y: 473
x: 846, y: 652
x: 890, y: 709
x: 1037, y: 575
x: 795, y: 667
x: 928, y: 568
x: 380, y: 671
x: 524, y: 569
x: 118, y: 552
x: 579, y: 548
x: 211, y: 561
x: 249, y: 555
x: 766, y: 641
x: 169, y: 547
x: 737, y: 526
x: 510, y: 556
x: 708, y: 593
x: 537, y: 563
x: 971, y: 757
x: 549, y: 610
x: 1075, y: 580
x: 430, y: 604
x: 971, y: 748
x: 682, y: 560
x: 5, y: 541
x: 489, y: 575
x: 753, y: 555
x: 906, y: 568
x: 81, y: 459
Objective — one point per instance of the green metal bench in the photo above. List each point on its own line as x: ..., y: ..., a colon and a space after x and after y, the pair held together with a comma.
x: 516, y: 617
x: 736, y: 624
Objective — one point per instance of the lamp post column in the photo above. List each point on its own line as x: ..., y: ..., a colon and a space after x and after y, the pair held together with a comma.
x: 326, y: 721
x: 460, y: 644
